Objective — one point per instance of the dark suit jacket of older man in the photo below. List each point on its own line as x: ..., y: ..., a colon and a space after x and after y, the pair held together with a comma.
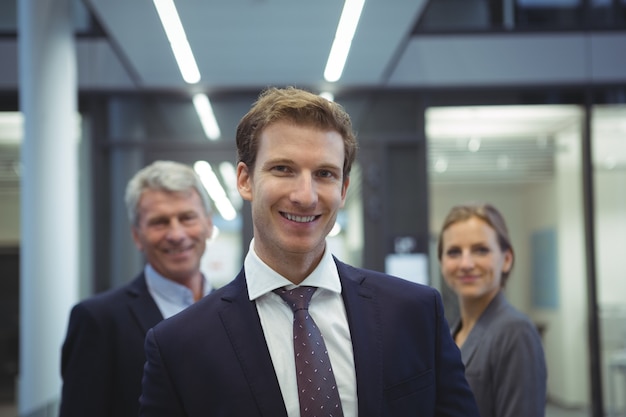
x: 102, y: 357
x: 212, y: 359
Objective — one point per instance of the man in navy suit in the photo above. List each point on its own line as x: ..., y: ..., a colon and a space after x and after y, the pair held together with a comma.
x: 232, y: 353
x: 102, y: 358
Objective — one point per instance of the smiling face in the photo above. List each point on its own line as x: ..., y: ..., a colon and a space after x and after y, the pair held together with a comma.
x: 295, y: 191
x: 472, y: 261
x: 171, y: 231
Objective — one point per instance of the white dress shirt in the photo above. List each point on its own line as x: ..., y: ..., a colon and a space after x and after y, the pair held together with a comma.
x: 170, y: 296
x: 327, y: 310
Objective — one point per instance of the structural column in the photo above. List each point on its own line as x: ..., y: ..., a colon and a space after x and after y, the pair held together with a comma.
x: 49, y: 198
x: 127, y: 134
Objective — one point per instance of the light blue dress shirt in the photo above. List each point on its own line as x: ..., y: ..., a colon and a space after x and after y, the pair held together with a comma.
x: 170, y: 296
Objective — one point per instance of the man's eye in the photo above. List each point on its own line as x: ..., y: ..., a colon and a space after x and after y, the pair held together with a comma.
x: 159, y: 222
x: 187, y: 218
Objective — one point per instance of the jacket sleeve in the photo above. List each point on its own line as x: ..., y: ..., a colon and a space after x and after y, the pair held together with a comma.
x: 519, y: 372
x: 86, y: 366
x: 158, y: 397
x: 454, y: 396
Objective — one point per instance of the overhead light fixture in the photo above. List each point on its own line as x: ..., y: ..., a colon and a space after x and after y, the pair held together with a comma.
x: 343, y: 39
x: 215, y: 190
x: 441, y: 165
x: 207, y: 117
x: 473, y: 145
x: 229, y: 175
x: 178, y: 40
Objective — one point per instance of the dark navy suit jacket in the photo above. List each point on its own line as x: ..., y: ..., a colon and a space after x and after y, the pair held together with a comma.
x: 212, y: 358
x: 102, y: 357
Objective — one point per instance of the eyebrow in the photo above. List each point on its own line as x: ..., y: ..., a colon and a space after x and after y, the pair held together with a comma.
x: 278, y: 161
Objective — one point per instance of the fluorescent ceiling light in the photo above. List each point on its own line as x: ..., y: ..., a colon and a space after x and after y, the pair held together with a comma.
x: 473, y: 144
x: 178, y: 40
x: 207, y: 117
x: 215, y: 190
x: 229, y: 175
x: 343, y: 39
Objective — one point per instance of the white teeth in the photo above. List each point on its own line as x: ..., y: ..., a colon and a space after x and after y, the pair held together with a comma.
x: 299, y: 219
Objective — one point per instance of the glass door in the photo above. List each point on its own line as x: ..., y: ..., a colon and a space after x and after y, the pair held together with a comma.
x: 525, y: 160
x: 609, y: 181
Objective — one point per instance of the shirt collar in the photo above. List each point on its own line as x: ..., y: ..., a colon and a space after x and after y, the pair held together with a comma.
x: 262, y: 279
x: 171, y: 290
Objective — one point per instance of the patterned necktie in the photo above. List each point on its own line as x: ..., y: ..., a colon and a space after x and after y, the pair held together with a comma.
x: 317, y: 389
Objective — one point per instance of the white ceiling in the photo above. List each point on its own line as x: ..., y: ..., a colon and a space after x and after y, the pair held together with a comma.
x: 254, y: 43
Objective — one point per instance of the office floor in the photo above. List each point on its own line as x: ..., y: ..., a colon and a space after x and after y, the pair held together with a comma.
x: 554, y: 411
x: 9, y: 410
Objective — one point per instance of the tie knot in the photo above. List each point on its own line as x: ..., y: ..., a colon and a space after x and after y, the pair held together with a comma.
x: 297, y: 298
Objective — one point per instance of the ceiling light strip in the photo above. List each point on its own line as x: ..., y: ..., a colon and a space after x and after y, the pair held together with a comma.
x: 207, y: 117
x: 215, y: 190
x: 178, y: 40
x: 343, y: 39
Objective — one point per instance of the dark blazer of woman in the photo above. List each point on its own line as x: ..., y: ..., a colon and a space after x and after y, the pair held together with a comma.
x: 504, y: 362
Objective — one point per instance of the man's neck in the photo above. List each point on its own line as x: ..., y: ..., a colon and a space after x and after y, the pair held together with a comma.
x: 293, y: 266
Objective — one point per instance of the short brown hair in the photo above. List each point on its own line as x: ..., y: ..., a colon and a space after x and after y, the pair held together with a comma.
x: 299, y: 107
x: 490, y: 215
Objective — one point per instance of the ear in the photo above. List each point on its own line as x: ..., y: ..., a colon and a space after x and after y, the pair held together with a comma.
x: 135, y: 234
x: 507, y: 261
x: 344, y: 191
x: 244, y: 181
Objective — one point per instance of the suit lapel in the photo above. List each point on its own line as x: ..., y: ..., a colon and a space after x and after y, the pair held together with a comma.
x: 366, y: 334
x: 142, y: 306
x: 242, y: 324
x: 480, y: 329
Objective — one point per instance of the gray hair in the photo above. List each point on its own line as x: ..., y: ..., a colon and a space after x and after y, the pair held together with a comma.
x: 167, y: 176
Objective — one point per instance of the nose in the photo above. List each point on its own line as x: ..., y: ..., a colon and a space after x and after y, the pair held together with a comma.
x: 467, y: 260
x: 176, y: 231
x: 304, y: 191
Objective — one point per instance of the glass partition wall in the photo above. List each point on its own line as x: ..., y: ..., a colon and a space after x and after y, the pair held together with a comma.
x: 525, y: 160
x: 608, y: 129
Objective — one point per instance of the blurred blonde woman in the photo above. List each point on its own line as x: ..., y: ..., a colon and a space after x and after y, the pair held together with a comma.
x: 500, y: 346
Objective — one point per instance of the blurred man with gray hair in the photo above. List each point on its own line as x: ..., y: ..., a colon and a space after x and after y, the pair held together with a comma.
x: 103, y: 355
